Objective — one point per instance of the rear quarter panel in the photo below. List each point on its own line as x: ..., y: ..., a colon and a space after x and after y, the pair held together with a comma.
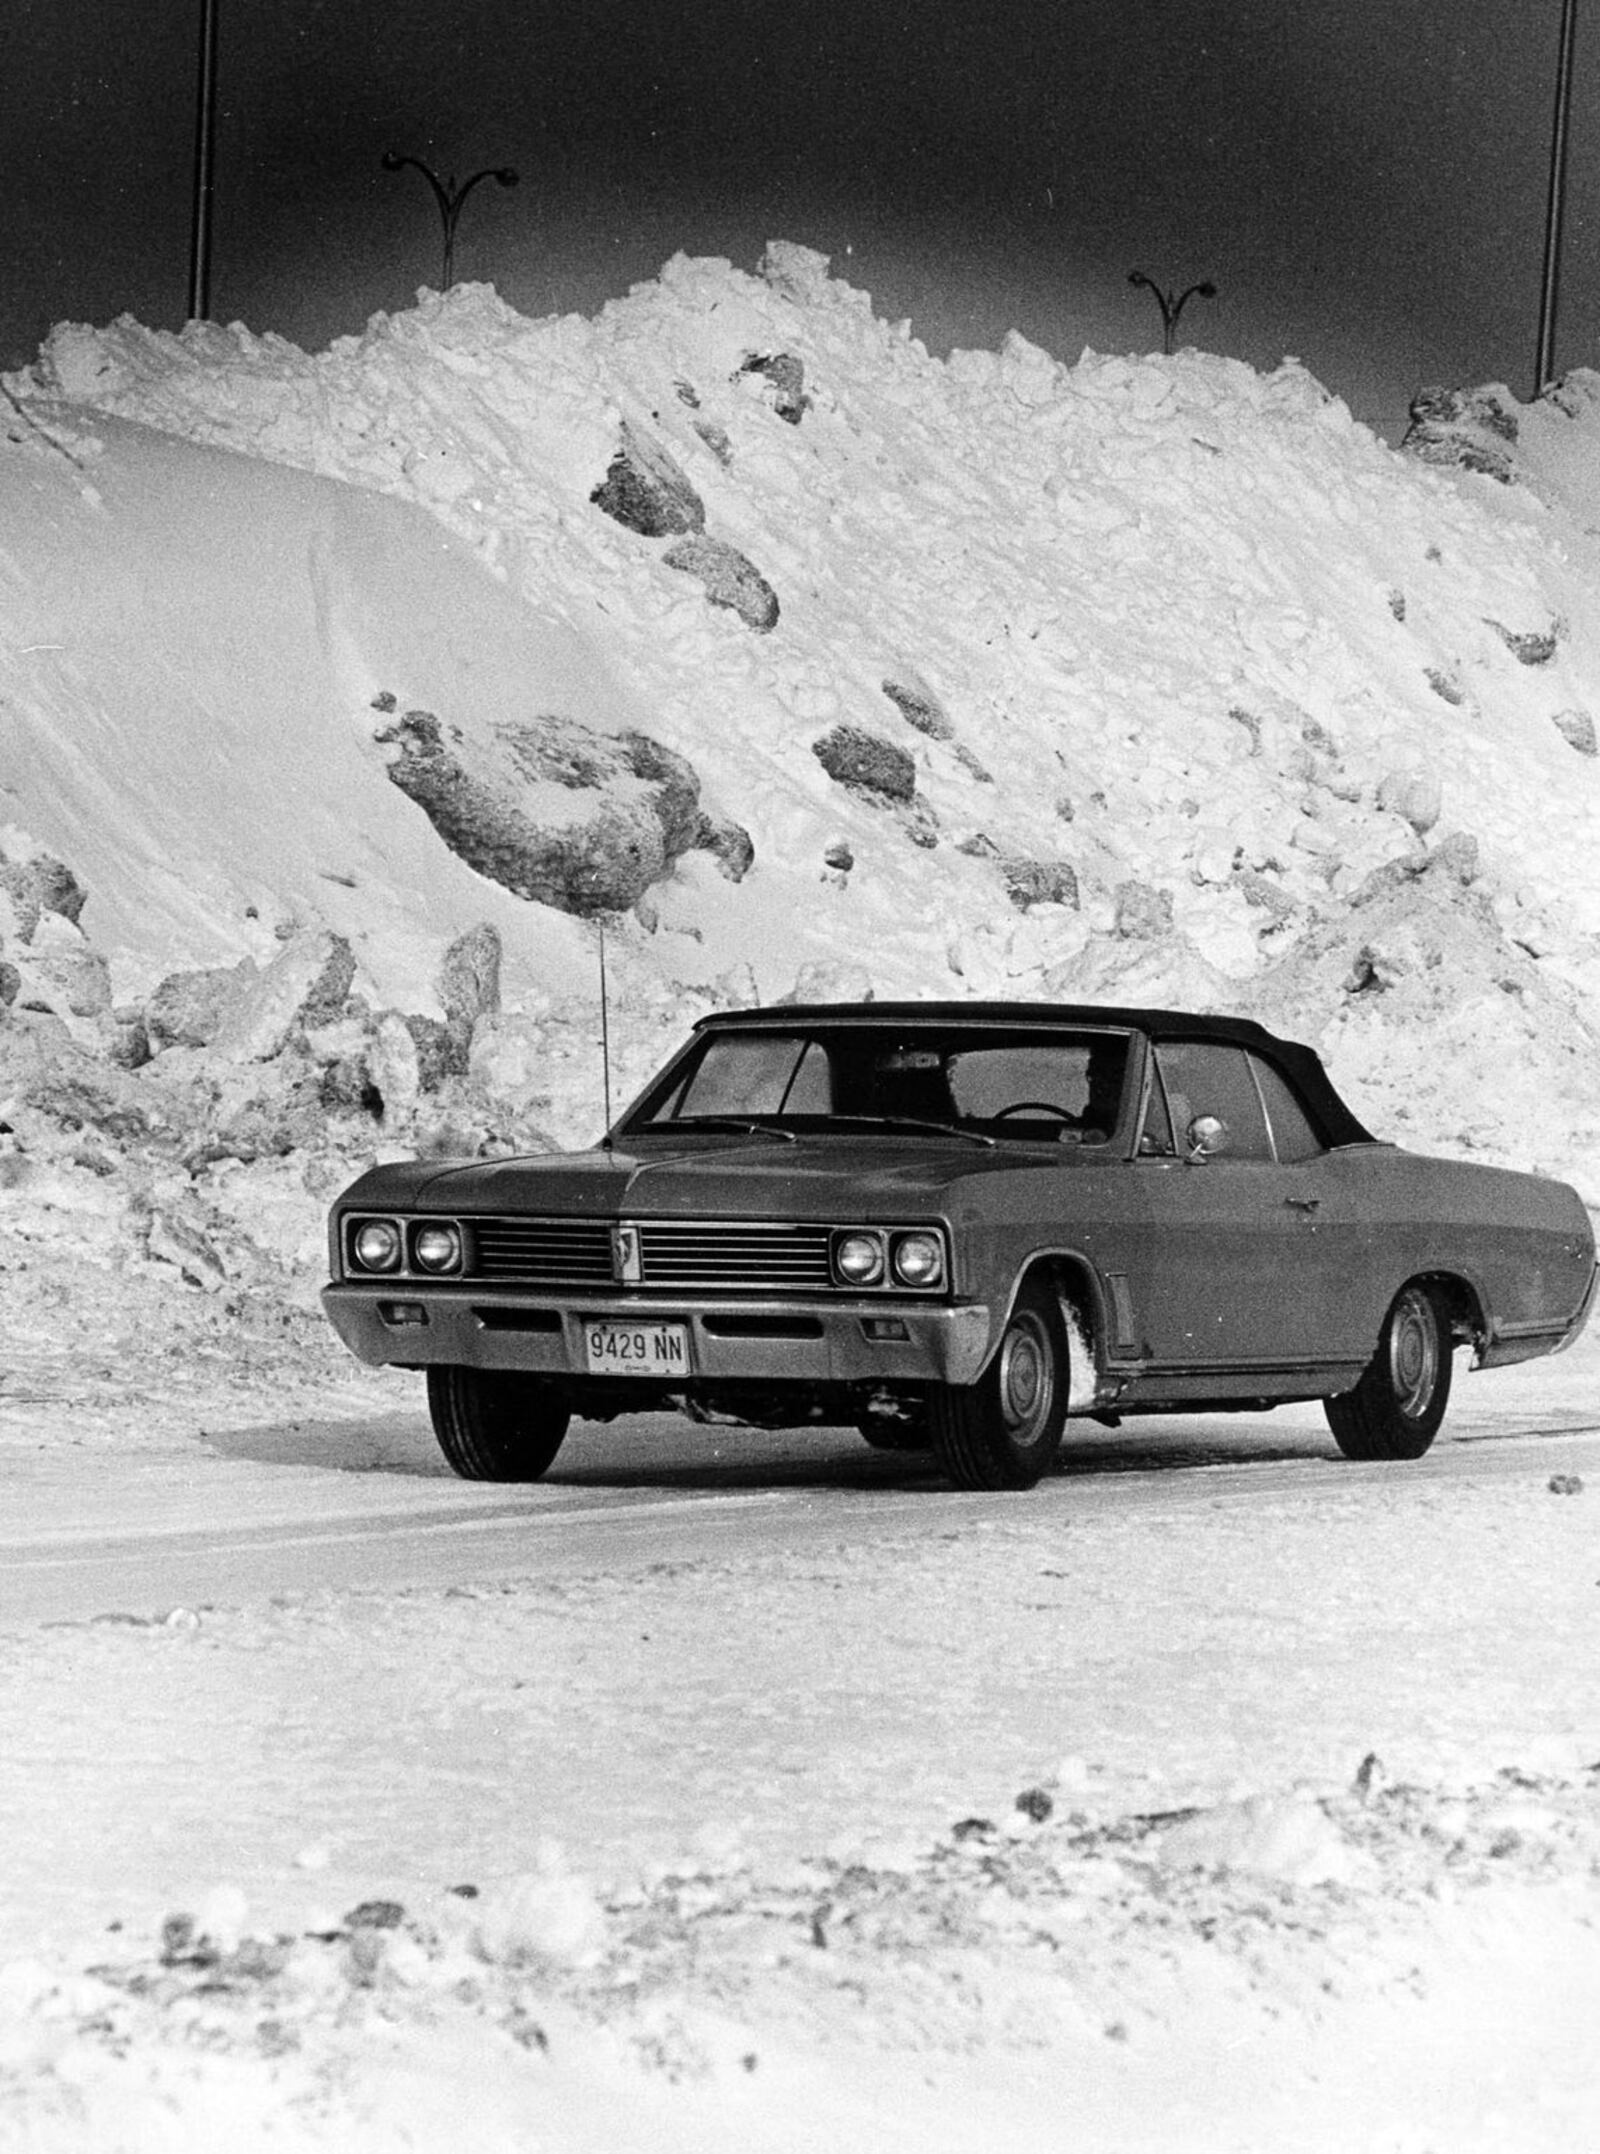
x: 1522, y: 1242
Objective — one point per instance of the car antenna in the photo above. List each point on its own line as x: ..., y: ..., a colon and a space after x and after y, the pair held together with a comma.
x: 605, y: 1039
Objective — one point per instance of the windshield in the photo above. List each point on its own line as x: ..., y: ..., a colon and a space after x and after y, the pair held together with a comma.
x: 1029, y: 1084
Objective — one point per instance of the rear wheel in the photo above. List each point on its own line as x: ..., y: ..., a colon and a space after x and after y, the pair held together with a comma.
x: 1396, y: 1409
x: 493, y: 1426
x: 1004, y: 1430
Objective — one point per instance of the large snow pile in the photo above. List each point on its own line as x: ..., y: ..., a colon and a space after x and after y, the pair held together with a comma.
x: 345, y: 694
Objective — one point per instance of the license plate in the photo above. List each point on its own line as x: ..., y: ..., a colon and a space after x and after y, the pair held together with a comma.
x: 615, y: 1349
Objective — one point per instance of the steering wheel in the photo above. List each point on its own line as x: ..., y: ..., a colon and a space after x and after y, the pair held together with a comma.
x: 1037, y: 1106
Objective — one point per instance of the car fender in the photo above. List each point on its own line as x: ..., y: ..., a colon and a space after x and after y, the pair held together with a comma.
x: 1091, y: 1320
x: 1464, y: 1285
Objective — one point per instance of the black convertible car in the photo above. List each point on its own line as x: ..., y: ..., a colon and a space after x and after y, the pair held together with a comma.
x: 952, y: 1226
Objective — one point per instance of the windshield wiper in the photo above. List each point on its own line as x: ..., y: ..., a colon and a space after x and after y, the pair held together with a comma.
x: 727, y: 1121
x: 912, y: 1121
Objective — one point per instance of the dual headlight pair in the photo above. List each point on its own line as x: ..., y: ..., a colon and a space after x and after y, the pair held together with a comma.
x: 379, y: 1245
x: 865, y: 1256
x: 861, y: 1256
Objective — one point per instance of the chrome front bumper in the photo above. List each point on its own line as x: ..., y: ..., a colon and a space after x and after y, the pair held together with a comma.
x: 410, y: 1324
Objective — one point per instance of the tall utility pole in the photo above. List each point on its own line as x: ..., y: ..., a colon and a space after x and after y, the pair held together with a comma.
x: 1556, y: 202
x: 205, y: 157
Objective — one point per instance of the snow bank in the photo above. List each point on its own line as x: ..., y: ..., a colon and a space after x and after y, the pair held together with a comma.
x: 1129, y: 1983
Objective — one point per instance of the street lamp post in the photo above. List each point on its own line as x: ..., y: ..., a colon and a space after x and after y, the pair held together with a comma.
x: 1555, y: 202
x: 449, y: 198
x: 1171, y: 305
x: 205, y: 157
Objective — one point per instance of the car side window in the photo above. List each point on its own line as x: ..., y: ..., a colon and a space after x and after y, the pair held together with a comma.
x: 1203, y: 1077
x: 1293, y: 1137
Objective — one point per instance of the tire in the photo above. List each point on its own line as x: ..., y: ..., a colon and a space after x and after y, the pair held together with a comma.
x: 492, y: 1426
x: 1004, y: 1430
x: 887, y: 1434
x: 1396, y: 1409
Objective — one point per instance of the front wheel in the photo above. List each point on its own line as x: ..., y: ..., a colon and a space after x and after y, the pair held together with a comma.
x: 1396, y: 1409
x: 1004, y: 1430
x: 494, y: 1426
x: 889, y: 1432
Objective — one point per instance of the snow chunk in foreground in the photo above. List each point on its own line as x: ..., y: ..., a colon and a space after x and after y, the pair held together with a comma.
x: 1287, y: 1838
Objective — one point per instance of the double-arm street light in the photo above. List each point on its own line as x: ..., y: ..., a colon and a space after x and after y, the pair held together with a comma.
x: 1555, y: 202
x: 449, y: 198
x: 446, y: 193
x: 1171, y: 304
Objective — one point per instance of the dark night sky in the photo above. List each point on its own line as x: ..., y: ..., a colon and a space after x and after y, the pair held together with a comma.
x: 1363, y: 179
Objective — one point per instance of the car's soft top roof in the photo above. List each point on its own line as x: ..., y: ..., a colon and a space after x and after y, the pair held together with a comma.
x: 1299, y: 1064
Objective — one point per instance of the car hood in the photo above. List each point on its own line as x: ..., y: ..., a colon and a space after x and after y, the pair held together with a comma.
x: 811, y: 1178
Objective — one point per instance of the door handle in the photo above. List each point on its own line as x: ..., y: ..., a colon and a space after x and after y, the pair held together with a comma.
x: 1302, y: 1204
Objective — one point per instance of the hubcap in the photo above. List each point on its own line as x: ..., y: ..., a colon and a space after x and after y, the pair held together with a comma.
x: 1025, y: 1377
x: 1413, y: 1352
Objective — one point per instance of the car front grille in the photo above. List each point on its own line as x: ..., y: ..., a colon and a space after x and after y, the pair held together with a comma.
x: 722, y: 1257
x: 768, y: 1259
x: 574, y: 1251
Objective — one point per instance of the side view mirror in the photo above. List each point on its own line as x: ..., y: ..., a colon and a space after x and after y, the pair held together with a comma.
x: 1206, y: 1136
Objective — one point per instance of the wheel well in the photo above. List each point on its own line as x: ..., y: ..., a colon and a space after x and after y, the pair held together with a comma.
x: 1073, y: 1283
x: 1467, y: 1323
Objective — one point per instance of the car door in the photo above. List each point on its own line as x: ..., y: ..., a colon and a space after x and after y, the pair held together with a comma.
x: 1232, y: 1267
x: 1331, y: 1238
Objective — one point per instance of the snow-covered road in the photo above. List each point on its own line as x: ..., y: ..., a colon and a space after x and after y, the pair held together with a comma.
x: 773, y: 1631
x: 657, y: 1490
x: 775, y: 1699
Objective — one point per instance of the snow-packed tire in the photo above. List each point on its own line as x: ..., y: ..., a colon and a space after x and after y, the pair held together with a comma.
x: 1396, y: 1409
x: 492, y: 1426
x: 1004, y: 1430
x: 886, y: 1432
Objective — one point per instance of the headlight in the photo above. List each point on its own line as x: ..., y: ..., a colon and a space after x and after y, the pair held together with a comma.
x: 436, y: 1248
x: 375, y: 1245
x: 918, y: 1259
x: 858, y: 1259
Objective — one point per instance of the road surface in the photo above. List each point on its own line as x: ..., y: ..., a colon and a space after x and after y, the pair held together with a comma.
x: 310, y: 1508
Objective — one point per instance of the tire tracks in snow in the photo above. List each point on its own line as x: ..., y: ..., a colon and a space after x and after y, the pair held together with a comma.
x: 150, y: 1572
